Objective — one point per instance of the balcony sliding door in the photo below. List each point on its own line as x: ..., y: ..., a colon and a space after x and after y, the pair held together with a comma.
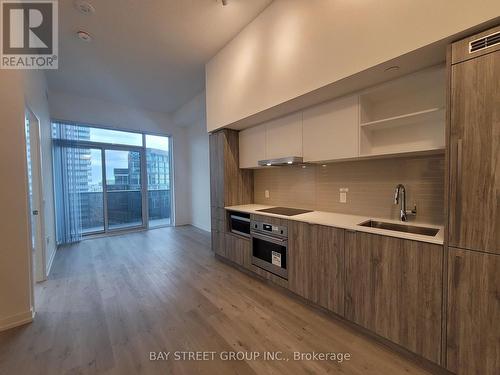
x: 124, y: 198
x: 109, y: 180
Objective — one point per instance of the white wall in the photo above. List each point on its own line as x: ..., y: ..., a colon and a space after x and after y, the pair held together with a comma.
x: 294, y: 47
x: 192, y: 116
x: 15, y: 253
x: 69, y: 107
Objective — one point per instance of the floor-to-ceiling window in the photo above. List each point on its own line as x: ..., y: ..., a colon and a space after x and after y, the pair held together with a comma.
x: 158, y: 174
x: 109, y: 180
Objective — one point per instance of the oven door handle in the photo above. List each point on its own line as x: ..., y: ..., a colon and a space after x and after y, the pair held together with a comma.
x: 239, y: 218
x: 275, y: 240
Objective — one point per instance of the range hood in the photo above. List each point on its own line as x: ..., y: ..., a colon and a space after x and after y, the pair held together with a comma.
x: 289, y: 160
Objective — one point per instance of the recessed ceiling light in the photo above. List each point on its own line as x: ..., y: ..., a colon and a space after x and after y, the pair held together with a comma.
x: 84, y: 7
x: 83, y: 35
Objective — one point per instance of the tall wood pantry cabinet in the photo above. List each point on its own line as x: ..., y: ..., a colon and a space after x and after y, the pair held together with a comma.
x: 229, y: 185
x: 473, y: 303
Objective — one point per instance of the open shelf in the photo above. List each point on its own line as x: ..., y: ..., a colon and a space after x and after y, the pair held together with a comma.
x: 431, y: 114
x: 404, y: 115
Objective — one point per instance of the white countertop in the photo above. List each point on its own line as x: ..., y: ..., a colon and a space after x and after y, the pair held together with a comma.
x: 345, y: 221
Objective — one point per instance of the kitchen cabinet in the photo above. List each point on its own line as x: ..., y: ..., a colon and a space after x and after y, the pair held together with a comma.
x: 331, y: 130
x: 252, y: 146
x: 474, y: 199
x: 394, y: 288
x: 300, y: 254
x: 328, y: 268
x: 316, y: 266
x: 284, y: 136
x: 216, y: 144
x: 272, y: 140
x: 473, y: 329
x: 460, y: 51
x: 406, y: 114
x: 218, y: 228
x: 218, y: 243
x: 229, y: 185
x: 238, y: 250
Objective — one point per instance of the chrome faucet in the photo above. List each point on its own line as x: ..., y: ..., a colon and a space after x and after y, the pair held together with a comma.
x: 403, y: 214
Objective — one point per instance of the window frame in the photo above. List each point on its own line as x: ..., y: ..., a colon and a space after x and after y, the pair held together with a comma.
x: 144, y: 172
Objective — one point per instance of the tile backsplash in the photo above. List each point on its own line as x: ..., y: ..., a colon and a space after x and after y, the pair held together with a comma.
x: 371, y: 185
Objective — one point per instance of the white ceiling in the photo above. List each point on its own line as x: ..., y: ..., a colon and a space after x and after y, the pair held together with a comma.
x: 148, y: 54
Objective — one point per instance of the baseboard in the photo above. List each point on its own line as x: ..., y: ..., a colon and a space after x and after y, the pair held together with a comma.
x: 16, y: 320
x: 49, y: 264
x: 202, y: 227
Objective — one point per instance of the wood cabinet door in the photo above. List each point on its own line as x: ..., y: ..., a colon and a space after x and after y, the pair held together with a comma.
x: 474, y: 200
x: 473, y: 325
x: 316, y: 264
x: 238, y: 183
x: 301, y: 252
x: 218, y: 243
x: 328, y: 268
x: 331, y: 130
x: 238, y: 250
x: 394, y: 288
x: 216, y: 143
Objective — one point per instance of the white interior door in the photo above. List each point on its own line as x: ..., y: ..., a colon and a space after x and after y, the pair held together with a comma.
x: 35, y: 199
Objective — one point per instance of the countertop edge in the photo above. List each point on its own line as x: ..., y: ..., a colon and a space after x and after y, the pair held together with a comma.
x: 437, y: 240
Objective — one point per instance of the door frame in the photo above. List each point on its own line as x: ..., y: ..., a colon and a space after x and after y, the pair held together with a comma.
x: 144, y: 191
x: 144, y: 188
x: 38, y: 253
x: 102, y: 147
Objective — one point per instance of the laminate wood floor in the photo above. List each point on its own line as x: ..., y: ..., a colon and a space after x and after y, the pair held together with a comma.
x: 109, y: 302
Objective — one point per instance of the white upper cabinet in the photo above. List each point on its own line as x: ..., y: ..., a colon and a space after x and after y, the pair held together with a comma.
x: 284, y: 136
x: 402, y: 116
x: 252, y: 146
x: 331, y: 130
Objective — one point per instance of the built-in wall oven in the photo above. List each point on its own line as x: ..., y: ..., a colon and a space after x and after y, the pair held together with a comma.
x: 270, y: 247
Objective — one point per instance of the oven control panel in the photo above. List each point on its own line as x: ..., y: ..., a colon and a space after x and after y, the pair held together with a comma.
x: 279, y: 230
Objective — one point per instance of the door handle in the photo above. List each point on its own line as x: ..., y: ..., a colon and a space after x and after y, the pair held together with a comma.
x: 459, y: 161
x: 458, y: 190
x: 35, y: 212
x: 457, y: 269
x: 277, y: 241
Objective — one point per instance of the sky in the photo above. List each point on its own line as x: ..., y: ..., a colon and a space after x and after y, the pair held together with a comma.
x: 126, y: 138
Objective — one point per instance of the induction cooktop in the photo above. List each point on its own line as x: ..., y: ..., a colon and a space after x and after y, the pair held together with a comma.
x: 286, y: 211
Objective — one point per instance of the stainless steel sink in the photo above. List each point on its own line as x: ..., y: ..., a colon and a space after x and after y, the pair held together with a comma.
x: 400, y: 227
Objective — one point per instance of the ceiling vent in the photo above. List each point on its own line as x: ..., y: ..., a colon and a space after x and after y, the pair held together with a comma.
x: 484, y: 42
x: 84, y: 36
x: 84, y: 7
